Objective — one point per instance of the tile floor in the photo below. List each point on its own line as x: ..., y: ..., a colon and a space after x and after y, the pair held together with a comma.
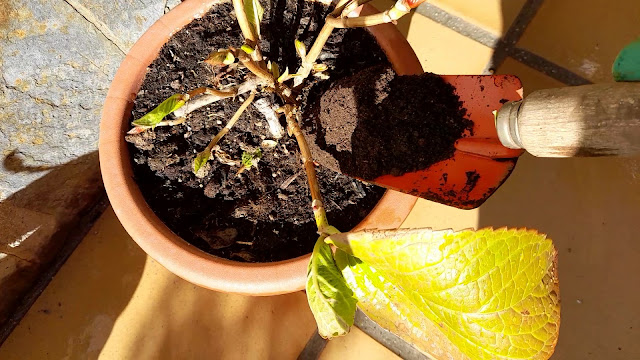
x: 111, y: 301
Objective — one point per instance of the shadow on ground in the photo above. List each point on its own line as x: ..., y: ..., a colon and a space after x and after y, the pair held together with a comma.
x: 36, y: 221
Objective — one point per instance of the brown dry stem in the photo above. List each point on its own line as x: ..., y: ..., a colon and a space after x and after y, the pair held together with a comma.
x: 231, y: 122
x: 352, y: 5
x: 256, y: 68
x: 212, y: 95
x: 211, y: 91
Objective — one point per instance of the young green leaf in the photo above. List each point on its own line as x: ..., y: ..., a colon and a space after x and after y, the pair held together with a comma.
x: 320, y: 67
x: 248, y: 49
x: 284, y: 76
x: 487, y: 294
x: 222, y: 57
x: 274, y: 68
x: 330, y: 299
x: 254, y: 12
x: 201, y: 159
x: 153, y: 117
x: 229, y: 59
x: 250, y: 159
x: 301, y: 49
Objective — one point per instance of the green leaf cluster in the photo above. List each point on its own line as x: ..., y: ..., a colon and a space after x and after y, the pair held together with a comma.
x: 251, y: 158
x: 330, y: 299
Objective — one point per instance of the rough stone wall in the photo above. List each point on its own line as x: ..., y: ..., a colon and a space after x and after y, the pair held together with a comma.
x: 57, y: 59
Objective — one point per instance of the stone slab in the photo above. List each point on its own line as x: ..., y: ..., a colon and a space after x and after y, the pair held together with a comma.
x: 57, y: 59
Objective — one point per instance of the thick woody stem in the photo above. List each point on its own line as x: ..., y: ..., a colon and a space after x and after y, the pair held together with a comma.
x: 352, y: 5
x: 317, y: 46
x: 384, y: 17
x: 245, y: 26
x: 310, y: 169
x: 211, y: 91
x: 256, y: 68
x: 338, y: 19
x: 339, y: 7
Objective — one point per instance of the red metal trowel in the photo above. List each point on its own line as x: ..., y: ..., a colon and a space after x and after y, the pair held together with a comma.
x: 480, y: 163
x: 589, y: 120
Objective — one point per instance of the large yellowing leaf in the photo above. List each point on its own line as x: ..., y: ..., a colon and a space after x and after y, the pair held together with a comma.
x: 385, y: 304
x: 492, y: 293
x: 155, y: 116
x: 330, y: 299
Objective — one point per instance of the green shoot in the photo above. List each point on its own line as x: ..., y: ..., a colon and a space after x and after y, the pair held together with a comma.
x: 222, y: 57
x: 274, y: 68
x: 254, y: 12
x: 284, y: 76
x: 301, y: 49
x: 155, y: 116
x: 251, y: 158
x: 248, y: 49
x: 204, y: 155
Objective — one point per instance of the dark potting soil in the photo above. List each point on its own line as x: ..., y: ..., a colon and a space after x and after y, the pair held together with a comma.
x: 264, y: 214
x: 377, y: 123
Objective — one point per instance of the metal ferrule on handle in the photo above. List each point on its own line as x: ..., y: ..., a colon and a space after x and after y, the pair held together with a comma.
x: 589, y: 120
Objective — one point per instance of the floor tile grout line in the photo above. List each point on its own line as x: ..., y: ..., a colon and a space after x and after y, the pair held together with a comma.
x: 522, y: 21
x: 459, y: 25
x: 548, y: 68
x: 486, y: 38
x: 389, y: 340
x: 508, y: 42
x: 73, y: 240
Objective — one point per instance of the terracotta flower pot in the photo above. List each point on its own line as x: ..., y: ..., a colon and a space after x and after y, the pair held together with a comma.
x: 153, y: 236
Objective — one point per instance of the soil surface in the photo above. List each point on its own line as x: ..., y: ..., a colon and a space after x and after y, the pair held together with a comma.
x: 264, y: 213
x: 377, y: 123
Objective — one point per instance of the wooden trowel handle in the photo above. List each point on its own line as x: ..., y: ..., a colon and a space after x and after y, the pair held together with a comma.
x: 589, y: 120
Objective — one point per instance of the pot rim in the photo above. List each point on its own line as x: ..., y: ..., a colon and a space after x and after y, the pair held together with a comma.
x: 151, y: 234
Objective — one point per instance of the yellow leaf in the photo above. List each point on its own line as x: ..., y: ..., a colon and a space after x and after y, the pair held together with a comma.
x: 222, y: 57
x: 229, y: 59
x: 320, y: 67
x: 492, y: 293
x: 201, y: 159
x: 248, y: 49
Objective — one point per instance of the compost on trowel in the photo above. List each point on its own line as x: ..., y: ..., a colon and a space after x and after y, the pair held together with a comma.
x: 376, y: 123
